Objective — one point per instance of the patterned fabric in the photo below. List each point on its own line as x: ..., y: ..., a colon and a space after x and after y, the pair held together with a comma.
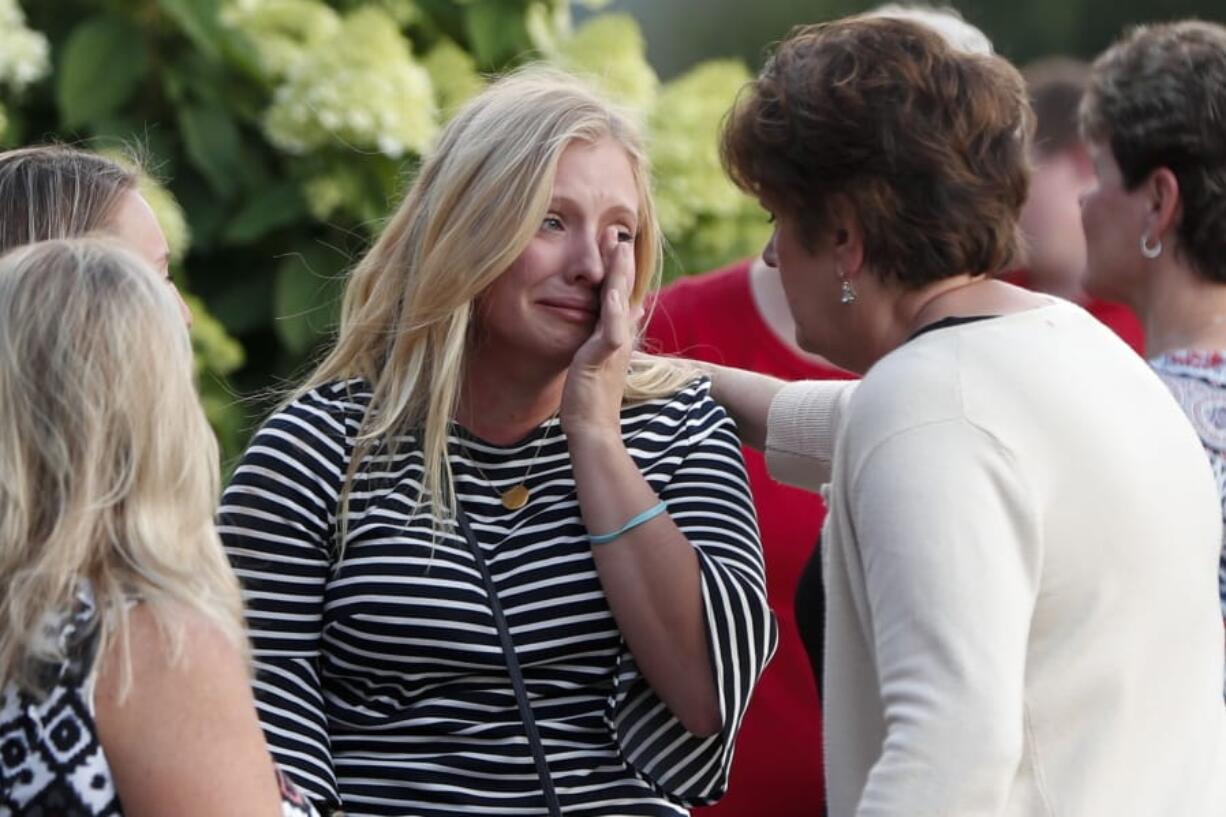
x: 381, y: 683
x: 50, y: 760
x: 1198, y: 380
x: 51, y: 763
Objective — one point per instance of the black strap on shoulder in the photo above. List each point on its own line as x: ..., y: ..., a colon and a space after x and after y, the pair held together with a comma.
x: 517, y: 677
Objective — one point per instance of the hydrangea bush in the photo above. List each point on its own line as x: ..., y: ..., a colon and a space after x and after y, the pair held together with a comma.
x: 24, y: 56
x: 285, y: 129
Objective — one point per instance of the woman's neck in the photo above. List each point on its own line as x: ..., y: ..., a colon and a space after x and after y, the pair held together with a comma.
x: 1183, y: 310
x: 503, y: 397
x: 772, y: 305
x: 961, y: 296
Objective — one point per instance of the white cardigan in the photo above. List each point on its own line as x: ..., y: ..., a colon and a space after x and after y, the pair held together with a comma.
x: 1020, y: 567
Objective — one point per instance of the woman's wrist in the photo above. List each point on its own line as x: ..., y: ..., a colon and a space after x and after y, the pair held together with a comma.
x: 594, y: 440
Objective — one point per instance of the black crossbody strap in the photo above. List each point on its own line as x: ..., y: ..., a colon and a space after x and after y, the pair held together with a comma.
x: 517, y: 677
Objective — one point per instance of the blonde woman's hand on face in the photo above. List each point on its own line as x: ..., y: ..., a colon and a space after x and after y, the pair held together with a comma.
x: 591, y: 401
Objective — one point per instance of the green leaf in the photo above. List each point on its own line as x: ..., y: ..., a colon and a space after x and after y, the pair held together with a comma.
x: 213, y: 349
x: 271, y: 209
x: 126, y: 132
x: 442, y: 18
x: 497, y: 32
x: 308, y: 292
x: 206, y: 213
x: 105, y: 60
x: 16, y: 127
x: 213, y: 145
x: 199, y: 21
x: 246, y: 303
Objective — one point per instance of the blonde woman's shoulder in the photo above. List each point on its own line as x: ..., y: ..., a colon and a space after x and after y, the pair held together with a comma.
x: 180, y: 734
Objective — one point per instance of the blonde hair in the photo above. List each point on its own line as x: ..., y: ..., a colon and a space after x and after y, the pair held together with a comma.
x: 57, y: 191
x: 473, y: 208
x: 108, y: 468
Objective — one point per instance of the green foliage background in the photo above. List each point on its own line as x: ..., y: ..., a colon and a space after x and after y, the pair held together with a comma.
x: 283, y: 130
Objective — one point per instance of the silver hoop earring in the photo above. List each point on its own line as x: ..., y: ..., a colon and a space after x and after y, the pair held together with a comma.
x: 1148, y: 250
x: 848, y: 295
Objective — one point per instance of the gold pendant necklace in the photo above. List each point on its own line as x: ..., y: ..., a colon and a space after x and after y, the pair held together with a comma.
x: 517, y: 495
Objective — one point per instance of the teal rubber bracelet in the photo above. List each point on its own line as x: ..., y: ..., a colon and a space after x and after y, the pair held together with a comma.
x: 635, y: 521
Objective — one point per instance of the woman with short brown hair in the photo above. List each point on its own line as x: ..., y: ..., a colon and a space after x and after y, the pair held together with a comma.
x: 933, y: 198
x: 1155, y: 223
x: 1006, y: 558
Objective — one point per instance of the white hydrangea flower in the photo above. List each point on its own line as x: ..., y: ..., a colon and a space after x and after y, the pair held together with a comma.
x: 402, y: 11
x: 453, y: 73
x: 547, y: 25
x: 360, y: 87
x: 684, y: 147
x: 609, y: 49
x: 282, y: 31
x: 25, y: 55
x: 706, y: 218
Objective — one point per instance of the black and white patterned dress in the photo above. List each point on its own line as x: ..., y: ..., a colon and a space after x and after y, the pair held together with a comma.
x: 51, y: 762
x: 380, y: 680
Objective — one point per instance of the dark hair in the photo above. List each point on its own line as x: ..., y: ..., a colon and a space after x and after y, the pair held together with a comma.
x: 1158, y: 98
x: 929, y: 143
x: 1055, y: 86
x: 55, y: 191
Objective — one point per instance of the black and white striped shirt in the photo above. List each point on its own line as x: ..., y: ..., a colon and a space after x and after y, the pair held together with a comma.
x: 380, y: 680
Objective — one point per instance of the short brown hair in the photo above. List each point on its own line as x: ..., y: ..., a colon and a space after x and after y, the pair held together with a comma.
x: 1055, y: 86
x: 929, y: 143
x: 57, y: 191
x: 1158, y: 98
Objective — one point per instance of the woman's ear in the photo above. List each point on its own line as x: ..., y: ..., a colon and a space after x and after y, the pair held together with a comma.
x: 1161, y: 190
x: 847, y: 238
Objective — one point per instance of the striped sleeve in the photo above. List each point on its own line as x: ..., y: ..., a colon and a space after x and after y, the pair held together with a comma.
x: 708, y: 498
x: 276, y: 521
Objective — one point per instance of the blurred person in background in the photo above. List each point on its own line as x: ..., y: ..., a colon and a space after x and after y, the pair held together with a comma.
x: 1155, y: 223
x: 124, y: 675
x: 738, y: 316
x: 58, y: 191
x: 1021, y: 520
x: 1063, y: 172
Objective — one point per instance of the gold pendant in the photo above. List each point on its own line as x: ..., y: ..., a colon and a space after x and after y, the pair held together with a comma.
x: 515, y: 497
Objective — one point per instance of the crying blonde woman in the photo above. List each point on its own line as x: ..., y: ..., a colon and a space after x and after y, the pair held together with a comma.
x: 489, y: 564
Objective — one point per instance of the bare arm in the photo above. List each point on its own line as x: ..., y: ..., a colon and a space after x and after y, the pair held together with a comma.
x: 185, y: 740
x: 651, y: 579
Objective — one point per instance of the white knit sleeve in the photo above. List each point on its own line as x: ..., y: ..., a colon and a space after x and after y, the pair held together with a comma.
x: 804, y: 421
